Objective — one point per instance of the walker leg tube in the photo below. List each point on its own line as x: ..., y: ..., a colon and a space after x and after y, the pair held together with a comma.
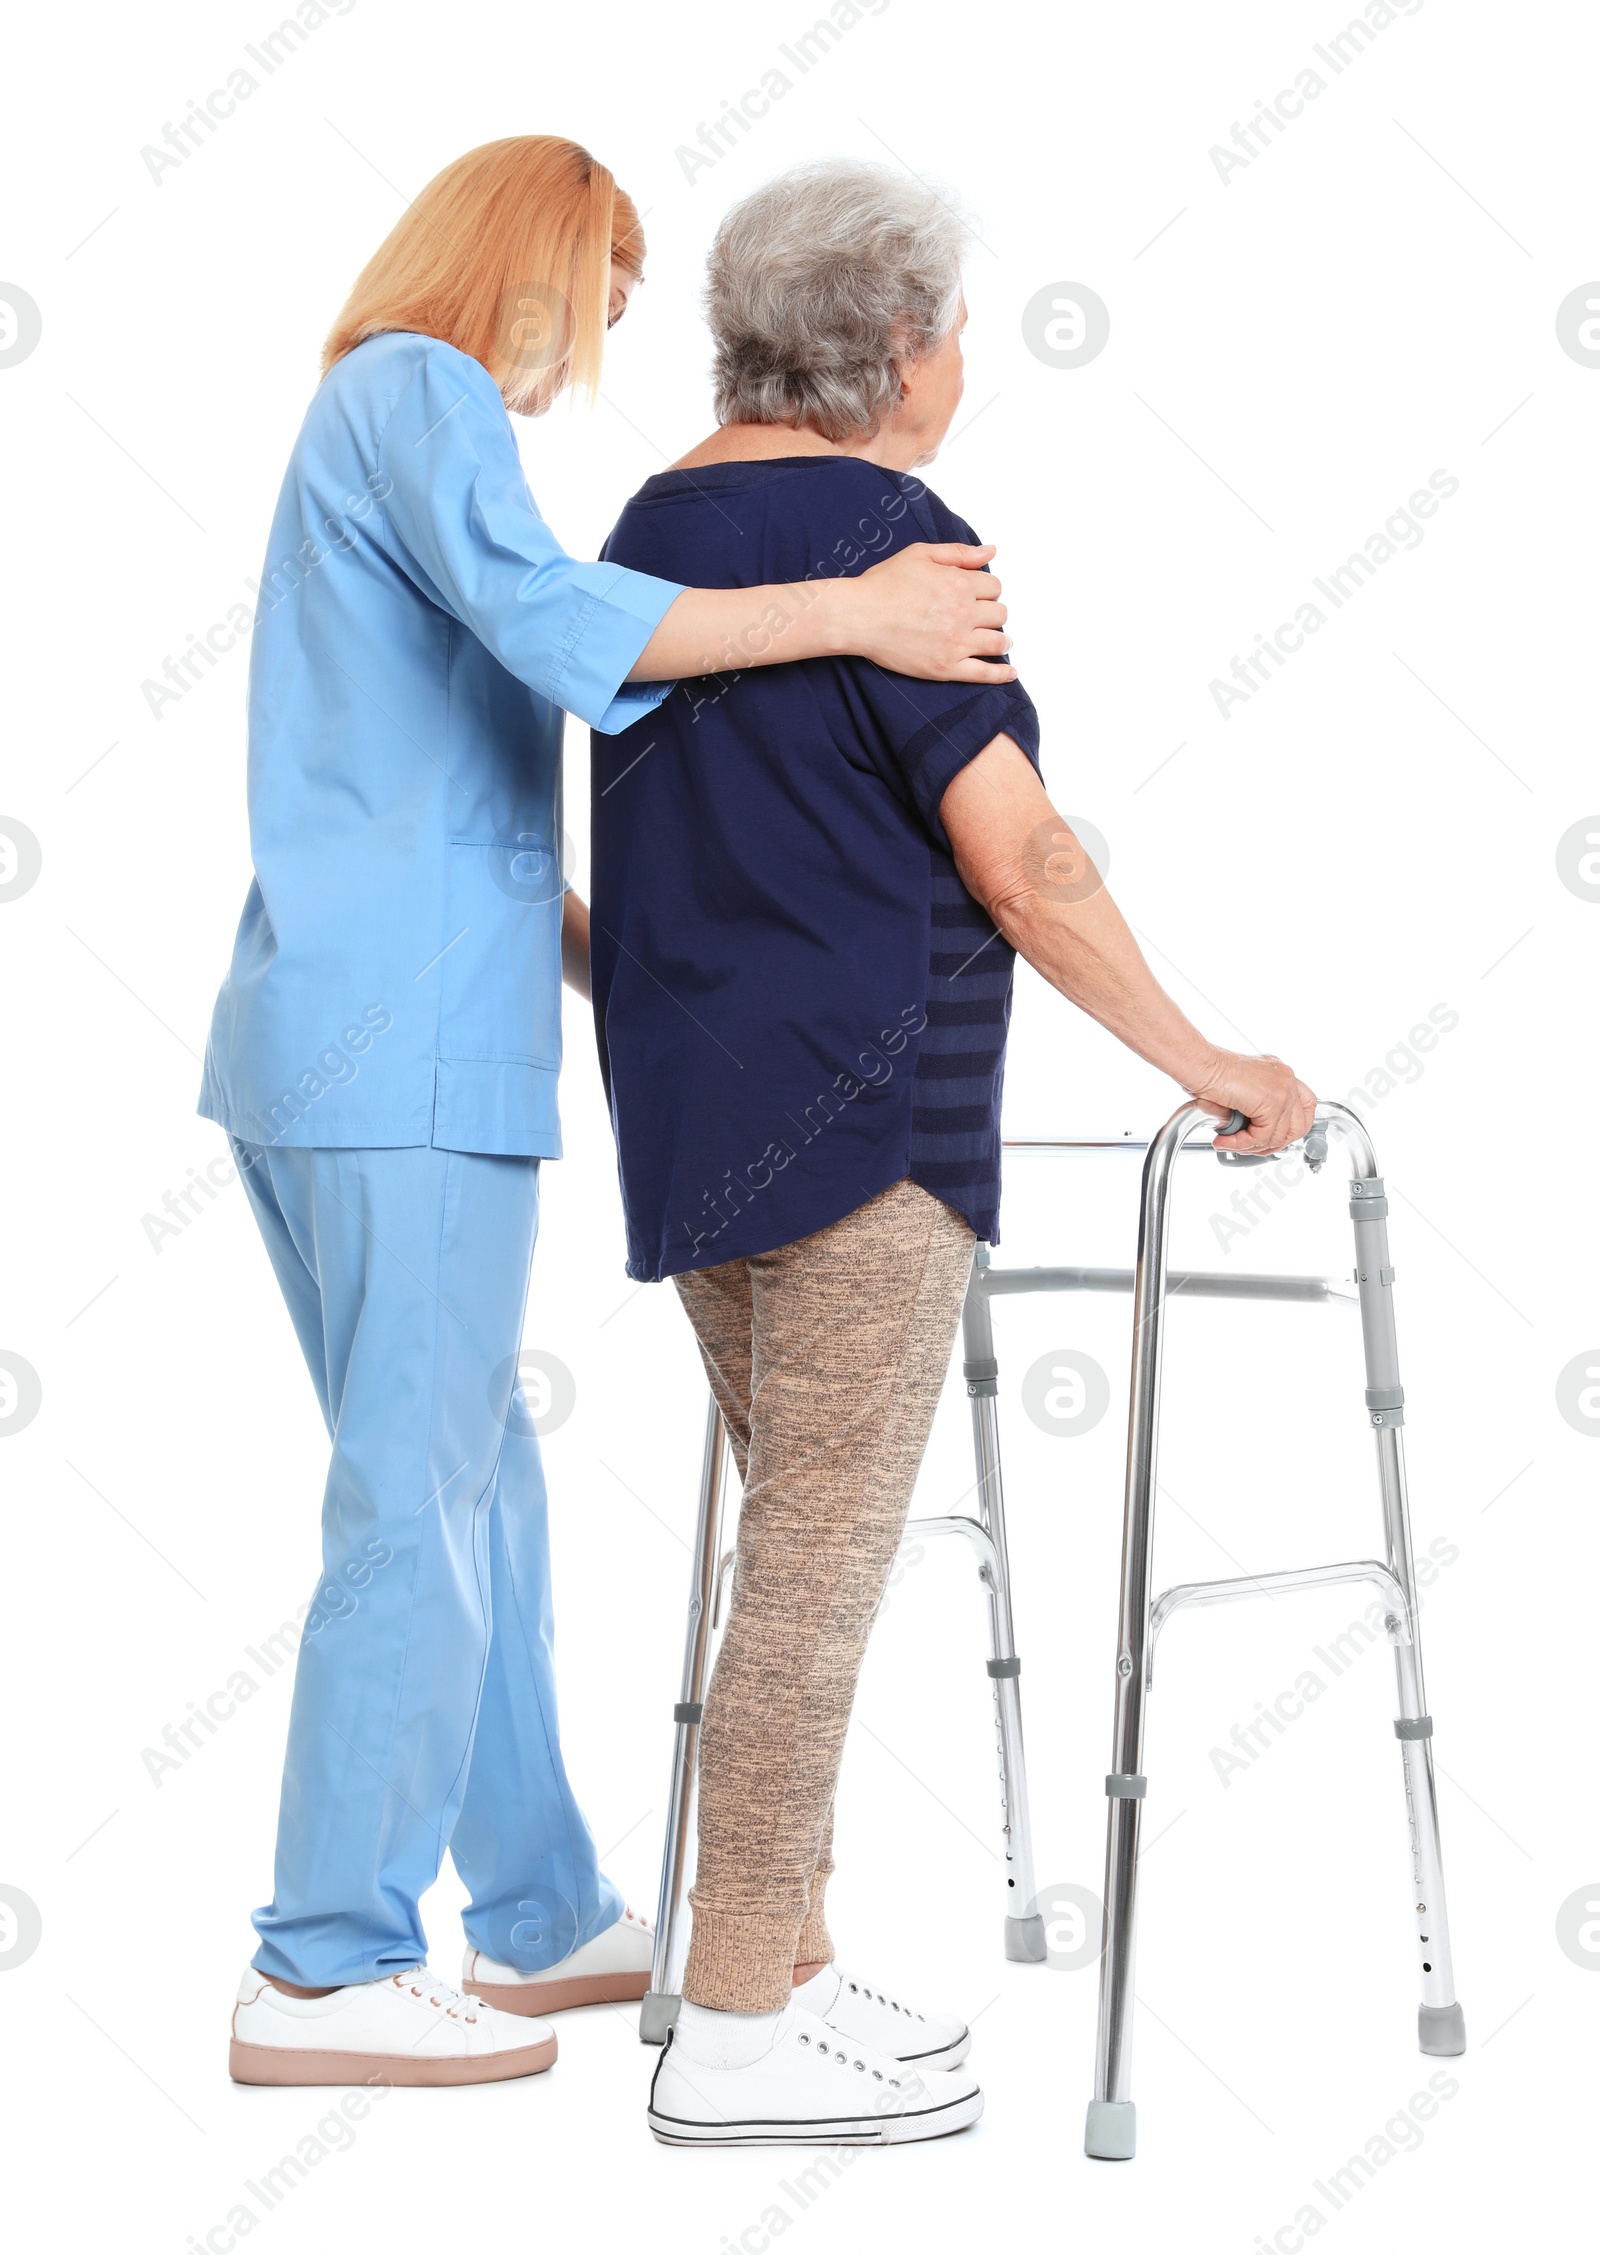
x: 660, y: 2006
x: 1441, y: 2026
x: 1110, y: 2132
x: 1024, y: 1927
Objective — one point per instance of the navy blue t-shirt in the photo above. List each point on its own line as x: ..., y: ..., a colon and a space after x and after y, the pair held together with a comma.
x: 798, y: 1003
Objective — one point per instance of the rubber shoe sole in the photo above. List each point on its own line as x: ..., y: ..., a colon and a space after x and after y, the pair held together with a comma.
x: 537, y: 1999
x: 937, y: 2061
x: 888, y: 2129
x: 278, y: 2065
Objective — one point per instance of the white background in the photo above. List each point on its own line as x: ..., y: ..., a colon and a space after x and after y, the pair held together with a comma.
x: 1292, y: 353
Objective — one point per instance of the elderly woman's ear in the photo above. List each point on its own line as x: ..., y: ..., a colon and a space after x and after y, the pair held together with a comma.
x: 825, y: 290
x: 930, y: 393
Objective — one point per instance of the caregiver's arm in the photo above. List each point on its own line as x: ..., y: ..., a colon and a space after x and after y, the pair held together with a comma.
x: 928, y: 611
x: 457, y: 517
x: 1021, y: 861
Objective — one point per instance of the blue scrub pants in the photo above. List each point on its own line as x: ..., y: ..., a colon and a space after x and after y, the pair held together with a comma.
x: 424, y: 1712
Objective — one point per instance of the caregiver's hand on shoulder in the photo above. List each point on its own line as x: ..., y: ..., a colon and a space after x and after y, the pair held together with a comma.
x: 1278, y: 1105
x: 929, y: 610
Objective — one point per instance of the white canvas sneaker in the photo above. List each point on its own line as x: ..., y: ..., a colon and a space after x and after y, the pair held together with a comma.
x: 813, y: 2087
x: 867, y: 2016
x: 612, y: 1969
x: 409, y: 2029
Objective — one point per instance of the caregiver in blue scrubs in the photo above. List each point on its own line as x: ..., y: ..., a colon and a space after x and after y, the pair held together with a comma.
x: 384, y: 1056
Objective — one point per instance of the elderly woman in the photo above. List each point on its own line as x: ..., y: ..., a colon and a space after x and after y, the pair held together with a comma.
x: 808, y: 887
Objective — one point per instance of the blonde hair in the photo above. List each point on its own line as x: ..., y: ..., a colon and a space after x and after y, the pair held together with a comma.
x: 506, y: 254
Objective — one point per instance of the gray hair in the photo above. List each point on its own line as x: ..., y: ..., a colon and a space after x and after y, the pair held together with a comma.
x: 818, y: 284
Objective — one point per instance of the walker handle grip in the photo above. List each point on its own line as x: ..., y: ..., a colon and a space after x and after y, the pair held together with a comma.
x: 1231, y: 1126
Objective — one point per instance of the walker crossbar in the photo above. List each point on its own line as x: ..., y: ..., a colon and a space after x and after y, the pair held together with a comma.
x: 1196, y: 1284
x: 1110, y: 2133
x: 1397, y: 1620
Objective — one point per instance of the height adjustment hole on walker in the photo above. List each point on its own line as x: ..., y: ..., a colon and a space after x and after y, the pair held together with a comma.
x: 1426, y: 1967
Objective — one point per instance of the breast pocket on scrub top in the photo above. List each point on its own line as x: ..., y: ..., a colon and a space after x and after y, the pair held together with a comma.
x: 501, y: 970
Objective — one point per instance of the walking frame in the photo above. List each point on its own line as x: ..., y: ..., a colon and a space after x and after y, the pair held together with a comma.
x: 1110, y: 2130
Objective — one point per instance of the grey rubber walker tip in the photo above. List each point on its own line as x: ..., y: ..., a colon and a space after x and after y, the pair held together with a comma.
x: 657, y: 2012
x: 1025, y: 1942
x: 1441, y: 2030
x: 1111, y: 2132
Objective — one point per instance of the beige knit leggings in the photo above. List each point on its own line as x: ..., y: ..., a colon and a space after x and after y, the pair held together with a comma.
x: 826, y: 1358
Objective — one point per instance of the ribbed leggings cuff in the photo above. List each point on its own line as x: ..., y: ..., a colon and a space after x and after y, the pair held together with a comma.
x: 740, y: 1961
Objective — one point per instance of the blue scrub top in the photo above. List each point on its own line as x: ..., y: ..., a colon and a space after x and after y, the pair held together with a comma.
x: 396, y: 979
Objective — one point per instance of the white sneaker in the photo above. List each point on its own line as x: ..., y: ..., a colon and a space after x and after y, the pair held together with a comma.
x: 612, y: 1969
x: 410, y: 2029
x: 812, y: 2088
x: 867, y: 2016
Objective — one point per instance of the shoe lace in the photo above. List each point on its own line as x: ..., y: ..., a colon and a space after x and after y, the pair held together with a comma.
x: 440, y: 1994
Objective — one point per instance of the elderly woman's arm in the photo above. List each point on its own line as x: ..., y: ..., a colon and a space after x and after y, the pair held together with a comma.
x: 1019, y: 858
x: 928, y: 610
